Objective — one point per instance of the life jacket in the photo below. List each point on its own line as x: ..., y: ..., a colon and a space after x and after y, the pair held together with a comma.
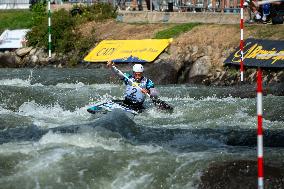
x: 134, y: 93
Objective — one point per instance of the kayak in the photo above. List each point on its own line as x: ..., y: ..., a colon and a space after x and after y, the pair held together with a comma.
x: 108, y: 106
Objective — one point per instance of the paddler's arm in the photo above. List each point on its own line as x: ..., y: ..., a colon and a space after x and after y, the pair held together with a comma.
x: 111, y: 65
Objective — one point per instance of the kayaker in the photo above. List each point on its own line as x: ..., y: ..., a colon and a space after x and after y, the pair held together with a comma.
x: 135, y: 96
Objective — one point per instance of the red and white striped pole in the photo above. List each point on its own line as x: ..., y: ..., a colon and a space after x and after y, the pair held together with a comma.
x: 259, y: 130
x: 242, y: 41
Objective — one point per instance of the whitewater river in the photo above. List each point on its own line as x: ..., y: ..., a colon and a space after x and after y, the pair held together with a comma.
x: 49, y: 140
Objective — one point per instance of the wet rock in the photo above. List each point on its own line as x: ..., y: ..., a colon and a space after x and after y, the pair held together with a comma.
x: 43, y: 60
x: 25, y: 61
x: 162, y: 73
x: 188, y: 58
x: 218, y: 70
x: 222, y: 76
x: 40, y: 53
x: 164, y: 56
x: 34, y: 59
x: 200, y: 68
x: 23, y: 51
x: 18, y: 60
x: 252, y: 77
x: 33, y: 51
x: 8, y: 60
x: 275, y: 89
x: 241, y: 174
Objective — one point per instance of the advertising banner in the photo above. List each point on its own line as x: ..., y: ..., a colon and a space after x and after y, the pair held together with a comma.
x: 141, y: 51
x: 260, y: 53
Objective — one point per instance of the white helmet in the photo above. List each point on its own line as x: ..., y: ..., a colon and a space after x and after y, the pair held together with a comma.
x: 138, y: 68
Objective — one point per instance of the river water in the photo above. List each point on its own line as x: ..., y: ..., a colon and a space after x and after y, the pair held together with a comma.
x: 152, y: 150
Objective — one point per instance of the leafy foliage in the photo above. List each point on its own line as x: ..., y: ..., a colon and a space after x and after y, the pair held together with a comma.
x: 63, y: 34
x: 38, y: 12
x: 95, y: 12
x: 64, y: 30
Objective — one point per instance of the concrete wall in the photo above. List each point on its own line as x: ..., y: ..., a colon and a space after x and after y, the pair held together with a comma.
x: 177, y: 17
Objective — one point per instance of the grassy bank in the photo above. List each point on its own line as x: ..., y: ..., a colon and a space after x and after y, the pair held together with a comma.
x: 175, y: 31
x: 15, y: 19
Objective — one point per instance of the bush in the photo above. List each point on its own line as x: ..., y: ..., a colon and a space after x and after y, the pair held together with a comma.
x: 62, y: 33
x: 95, y: 12
x: 64, y: 29
x: 34, y: 2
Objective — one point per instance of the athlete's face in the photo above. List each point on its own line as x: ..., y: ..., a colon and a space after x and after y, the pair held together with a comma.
x: 137, y: 75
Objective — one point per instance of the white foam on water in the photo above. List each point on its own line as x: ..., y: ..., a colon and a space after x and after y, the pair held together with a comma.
x: 94, y: 140
x: 175, y: 126
x: 101, y: 99
x: 127, y: 179
x: 18, y: 147
x: 177, y: 98
x: 4, y: 111
x: 54, y: 115
x: 228, y: 99
x: 83, y: 140
x: 155, y: 113
x: 143, y: 181
x: 27, y: 83
x: 18, y: 82
x: 43, y: 161
x: 70, y: 85
x: 40, y: 160
x: 104, y: 86
x: 187, y: 162
x: 149, y: 149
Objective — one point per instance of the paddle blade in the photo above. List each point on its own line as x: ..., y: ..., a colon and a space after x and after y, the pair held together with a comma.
x: 162, y: 104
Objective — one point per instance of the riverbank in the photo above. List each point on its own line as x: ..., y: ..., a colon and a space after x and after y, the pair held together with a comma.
x: 194, y: 57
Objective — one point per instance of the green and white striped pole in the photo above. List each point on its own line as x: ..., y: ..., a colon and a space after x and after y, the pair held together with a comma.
x: 49, y: 30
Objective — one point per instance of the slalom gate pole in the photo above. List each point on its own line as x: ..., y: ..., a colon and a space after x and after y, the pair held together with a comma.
x: 259, y: 130
x: 49, y: 30
x: 242, y: 41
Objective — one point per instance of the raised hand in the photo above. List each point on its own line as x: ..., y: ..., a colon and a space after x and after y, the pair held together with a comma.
x: 110, y: 64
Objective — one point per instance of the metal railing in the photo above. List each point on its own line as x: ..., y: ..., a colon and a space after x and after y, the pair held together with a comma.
x: 227, y: 6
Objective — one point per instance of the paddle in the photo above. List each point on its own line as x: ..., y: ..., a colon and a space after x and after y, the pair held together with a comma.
x: 156, y: 101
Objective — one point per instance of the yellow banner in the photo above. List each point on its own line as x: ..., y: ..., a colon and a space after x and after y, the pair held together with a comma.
x: 145, y: 50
